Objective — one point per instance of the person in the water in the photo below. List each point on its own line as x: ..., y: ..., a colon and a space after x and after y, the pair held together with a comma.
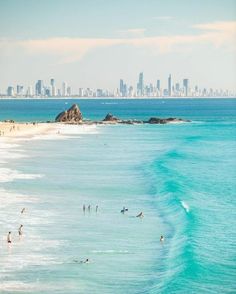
x: 23, y: 210
x: 9, y: 238
x: 84, y: 208
x: 140, y: 215
x: 162, y: 239
x: 82, y: 261
x: 20, y: 232
x: 124, y: 210
x: 96, y: 208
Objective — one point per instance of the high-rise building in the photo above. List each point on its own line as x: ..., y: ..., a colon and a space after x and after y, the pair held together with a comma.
x: 186, y: 86
x: 52, y: 82
x: 19, y: 90
x: 121, y: 87
x: 159, y: 85
x: 169, y: 86
x: 68, y: 91
x: 29, y: 91
x: 81, y: 92
x: 47, y: 92
x: 64, y: 89
x: 140, y: 85
x: 177, y: 87
x: 39, y: 88
x: 53, y: 89
x: 10, y: 91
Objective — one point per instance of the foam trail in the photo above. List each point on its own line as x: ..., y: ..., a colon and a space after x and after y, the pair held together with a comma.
x: 185, y: 206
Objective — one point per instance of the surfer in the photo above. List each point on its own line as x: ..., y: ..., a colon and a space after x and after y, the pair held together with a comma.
x: 140, y: 215
x: 23, y: 210
x: 9, y: 238
x: 162, y: 239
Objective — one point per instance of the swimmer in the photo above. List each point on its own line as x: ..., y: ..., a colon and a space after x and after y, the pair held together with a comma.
x: 162, y: 239
x: 140, y: 215
x: 89, y: 207
x: 9, y: 238
x: 124, y: 210
x: 84, y: 208
x: 23, y: 210
x: 20, y: 230
x: 96, y: 208
x: 86, y: 261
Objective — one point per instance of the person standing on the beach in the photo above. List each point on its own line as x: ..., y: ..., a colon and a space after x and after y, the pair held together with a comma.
x: 20, y: 232
x: 9, y: 238
x: 96, y: 208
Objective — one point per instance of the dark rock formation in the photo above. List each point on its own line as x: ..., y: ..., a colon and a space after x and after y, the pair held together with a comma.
x: 72, y: 115
x: 157, y: 120
x: 111, y: 117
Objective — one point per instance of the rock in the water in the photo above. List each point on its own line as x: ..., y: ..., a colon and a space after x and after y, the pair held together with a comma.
x: 110, y: 117
x: 72, y: 115
x: 157, y: 120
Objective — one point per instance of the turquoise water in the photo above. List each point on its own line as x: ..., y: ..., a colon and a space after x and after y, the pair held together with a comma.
x: 181, y: 176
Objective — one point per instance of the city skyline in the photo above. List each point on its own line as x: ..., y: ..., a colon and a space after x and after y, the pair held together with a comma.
x: 168, y: 88
x: 94, y: 43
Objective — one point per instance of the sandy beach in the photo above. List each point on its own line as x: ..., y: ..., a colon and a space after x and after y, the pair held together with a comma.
x: 13, y: 129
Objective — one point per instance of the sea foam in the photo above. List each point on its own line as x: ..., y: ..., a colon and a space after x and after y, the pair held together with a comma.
x: 185, y: 206
x: 9, y: 175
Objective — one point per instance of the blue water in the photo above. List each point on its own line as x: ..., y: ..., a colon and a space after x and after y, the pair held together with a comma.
x: 181, y: 176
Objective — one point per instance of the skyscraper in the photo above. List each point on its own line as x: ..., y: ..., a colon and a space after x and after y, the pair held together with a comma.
x: 159, y: 85
x: 29, y: 91
x: 140, y: 85
x: 19, y: 89
x: 39, y: 88
x: 52, y: 82
x: 186, y: 86
x: 64, y: 89
x: 53, y: 87
x: 10, y: 91
x: 169, y: 86
x: 121, y: 87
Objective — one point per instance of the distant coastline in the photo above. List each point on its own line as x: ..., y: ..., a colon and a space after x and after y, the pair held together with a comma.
x: 112, y: 98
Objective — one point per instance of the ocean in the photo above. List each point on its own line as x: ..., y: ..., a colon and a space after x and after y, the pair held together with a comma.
x: 181, y: 176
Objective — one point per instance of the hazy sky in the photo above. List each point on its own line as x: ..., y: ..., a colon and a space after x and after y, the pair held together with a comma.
x: 94, y: 43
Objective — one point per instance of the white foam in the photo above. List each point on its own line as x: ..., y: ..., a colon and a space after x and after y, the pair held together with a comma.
x: 9, y: 175
x: 9, y: 151
x: 185, y: 206
x: 76, y: 129
x: 63, y: 132
x: 110, y: 251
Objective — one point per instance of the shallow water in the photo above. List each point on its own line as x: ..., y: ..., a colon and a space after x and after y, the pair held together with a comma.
x: 181, y: 176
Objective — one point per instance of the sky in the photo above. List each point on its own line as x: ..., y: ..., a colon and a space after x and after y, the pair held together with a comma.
x: 94, y: 43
